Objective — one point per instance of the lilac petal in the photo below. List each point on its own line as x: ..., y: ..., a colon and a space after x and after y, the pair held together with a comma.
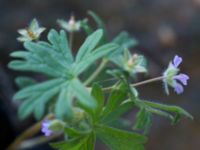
x: 44, y: 125
x: 182, y: 78
x: 45, y: 128
x: 176, y: 61
x: 48, y: 133
x: 178, y: 88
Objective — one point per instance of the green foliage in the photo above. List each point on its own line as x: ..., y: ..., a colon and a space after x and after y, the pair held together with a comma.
x: 80, y: 143
x: 177, y: 111
x: 120, y: 140
x: 55, y: 60
x: 98, y: 94
x: 114, y: 101
x: 143, y: 120
x: 86, y: 113
x: 22, y: 82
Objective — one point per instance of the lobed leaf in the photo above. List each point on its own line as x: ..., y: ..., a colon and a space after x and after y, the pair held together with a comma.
x: 116, y: 113
x: 38, y: 88
x: 116, y: 97
x: 119, y: 139
x: 89, y: 45
x: 93, y: 56
x: 23, y: 82
x: 81, y: 93
x: 60, y: 44
x: 63, y: 106
x: 98, y: 94
x: 86, y: 142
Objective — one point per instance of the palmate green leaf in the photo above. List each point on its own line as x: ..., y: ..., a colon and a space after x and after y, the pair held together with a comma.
x: 93, y: 56
x: 98, y: 94
x: 34, y: 67
x: 71, y: 132
x: 90, y: 142
x: 53, y: 60
x: 86, y: 142
x: 23, y: 82
x: 37, y: 88
x: 48, y: 55
x: 36, y: 103
x: 89, y: 45
x: 42, y: 100
x: 116, y: 98
x: 124, y: 40
x: 63, y: 108
x: 26, y: 108
x: 56, y: 60
x: 37, y: 96
x: 72, y: 144
x: 82, y: 94
x: 119, y: 139
x: 60, y: 44
x: 45, y: 91
x: 118, y: 112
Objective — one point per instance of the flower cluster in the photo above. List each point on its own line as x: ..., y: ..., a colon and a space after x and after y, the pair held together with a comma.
x: 172, y: 78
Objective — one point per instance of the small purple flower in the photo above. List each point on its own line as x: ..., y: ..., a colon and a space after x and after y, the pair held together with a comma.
x: 174, y: 79
x: 45, y: 128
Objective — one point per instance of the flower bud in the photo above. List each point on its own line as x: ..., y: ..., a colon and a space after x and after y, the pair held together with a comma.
x: 79, y: 114
x: 52, y: 126
x: 71, y: 26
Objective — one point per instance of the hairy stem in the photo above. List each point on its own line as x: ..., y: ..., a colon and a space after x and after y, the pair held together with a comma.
x: 139, y: 83
x: 148, y: 81
x: 96, y: 73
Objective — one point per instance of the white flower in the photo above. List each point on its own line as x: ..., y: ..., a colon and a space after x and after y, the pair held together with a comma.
x: 71, y: 26
x: 31, y: 33
x: 135, y: 64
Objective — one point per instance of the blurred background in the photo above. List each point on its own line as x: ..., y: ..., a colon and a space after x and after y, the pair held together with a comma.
x: 162, y: 27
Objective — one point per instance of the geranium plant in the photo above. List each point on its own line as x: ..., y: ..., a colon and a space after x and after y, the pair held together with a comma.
x: 86, y: 93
